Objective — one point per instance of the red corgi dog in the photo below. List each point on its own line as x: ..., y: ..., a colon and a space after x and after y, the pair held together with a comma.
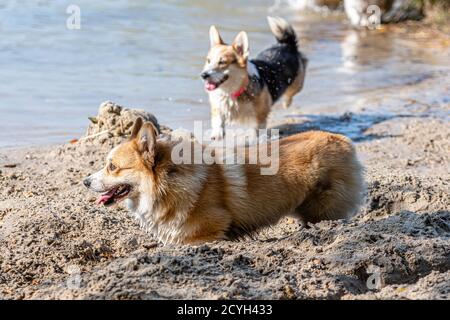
x: 318, y: 178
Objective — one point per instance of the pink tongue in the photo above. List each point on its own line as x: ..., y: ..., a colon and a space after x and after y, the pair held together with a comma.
x: 210, y: 86
x: 105, y: 197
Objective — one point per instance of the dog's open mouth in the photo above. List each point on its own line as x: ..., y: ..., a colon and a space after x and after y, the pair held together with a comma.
x: 211, y: 85
x: 114, y: 195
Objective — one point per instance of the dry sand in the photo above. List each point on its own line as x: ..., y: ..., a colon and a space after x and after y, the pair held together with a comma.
x: 56, y: 243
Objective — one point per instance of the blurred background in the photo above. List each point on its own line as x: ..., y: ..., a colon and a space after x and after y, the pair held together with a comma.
x: 148, y: 54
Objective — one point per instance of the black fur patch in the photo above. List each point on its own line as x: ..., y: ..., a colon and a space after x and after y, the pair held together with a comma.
x: 278, y: 67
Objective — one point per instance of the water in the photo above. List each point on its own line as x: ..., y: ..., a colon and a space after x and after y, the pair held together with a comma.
x: 149, y: 54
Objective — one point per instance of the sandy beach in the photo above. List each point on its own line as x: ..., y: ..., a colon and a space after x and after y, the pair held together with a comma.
x: 56, y: 243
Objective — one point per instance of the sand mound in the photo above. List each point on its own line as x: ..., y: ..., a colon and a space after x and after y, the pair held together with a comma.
x: 114, y: 122
x: 111, y: 126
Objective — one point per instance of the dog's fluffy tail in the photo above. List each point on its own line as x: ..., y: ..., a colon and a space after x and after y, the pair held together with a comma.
x: 283, y: 31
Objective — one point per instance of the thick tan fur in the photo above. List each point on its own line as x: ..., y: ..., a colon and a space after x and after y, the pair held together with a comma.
x: 319, y: 178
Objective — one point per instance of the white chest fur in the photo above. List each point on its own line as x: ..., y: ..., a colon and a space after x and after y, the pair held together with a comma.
x: 152, y: 220
x: 230, y: 108
x: 155, y: 218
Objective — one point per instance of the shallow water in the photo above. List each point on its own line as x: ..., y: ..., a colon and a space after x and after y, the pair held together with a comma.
x: 149, y: 54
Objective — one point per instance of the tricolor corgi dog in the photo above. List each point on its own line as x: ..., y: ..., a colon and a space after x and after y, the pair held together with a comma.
x: 319, y: 178
x: 242, y: 92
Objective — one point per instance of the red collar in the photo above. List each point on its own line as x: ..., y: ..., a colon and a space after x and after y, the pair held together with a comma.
x: 238, y: 93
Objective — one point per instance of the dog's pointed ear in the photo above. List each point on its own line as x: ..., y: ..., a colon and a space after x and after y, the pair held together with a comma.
x: 136, y: 127
x: 240, y: 44
x: 146, y: 142
x: 215, y: 37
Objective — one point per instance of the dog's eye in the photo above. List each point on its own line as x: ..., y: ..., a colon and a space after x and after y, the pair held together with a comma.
x: 221, y: 62
x: 208, y: 60
x: 112, y: 167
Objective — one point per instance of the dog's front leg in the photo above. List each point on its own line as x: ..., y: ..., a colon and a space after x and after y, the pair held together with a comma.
x: 217, y: 124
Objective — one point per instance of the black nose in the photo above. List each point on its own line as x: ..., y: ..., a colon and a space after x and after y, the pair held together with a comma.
x: 87, y: 182
x: 205, y: 75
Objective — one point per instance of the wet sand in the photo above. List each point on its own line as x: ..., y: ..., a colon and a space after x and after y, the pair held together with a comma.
x: 55, y: 243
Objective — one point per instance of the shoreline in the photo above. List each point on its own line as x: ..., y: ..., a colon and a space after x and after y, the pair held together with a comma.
x: 421, y: 38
